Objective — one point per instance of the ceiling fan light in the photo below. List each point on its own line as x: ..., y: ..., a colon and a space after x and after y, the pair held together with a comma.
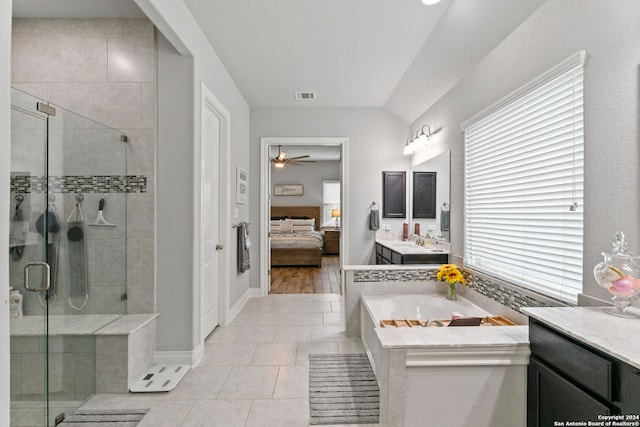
x: 278, y: 164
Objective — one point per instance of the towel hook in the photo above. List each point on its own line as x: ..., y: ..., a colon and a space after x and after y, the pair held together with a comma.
x: 19, y: 198
x: 79, y: 197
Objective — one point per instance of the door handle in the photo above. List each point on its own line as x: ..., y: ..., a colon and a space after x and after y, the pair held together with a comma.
x: 47, y: 276
x: 219, y: 247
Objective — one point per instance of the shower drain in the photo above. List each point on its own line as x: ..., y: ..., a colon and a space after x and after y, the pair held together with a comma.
x: 160, y: 378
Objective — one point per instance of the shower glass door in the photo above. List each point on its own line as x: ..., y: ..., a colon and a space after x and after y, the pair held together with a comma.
x: 68, y: 251
x: 29, y: 243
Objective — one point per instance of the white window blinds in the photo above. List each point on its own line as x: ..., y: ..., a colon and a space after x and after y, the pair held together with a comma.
x: 524, y: 185
x: 330, y: 200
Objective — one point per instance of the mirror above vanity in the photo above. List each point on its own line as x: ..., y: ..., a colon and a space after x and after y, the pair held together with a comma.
x: 429, y: 196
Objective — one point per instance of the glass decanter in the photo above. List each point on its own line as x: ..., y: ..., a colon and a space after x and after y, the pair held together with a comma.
x: 619, y: 274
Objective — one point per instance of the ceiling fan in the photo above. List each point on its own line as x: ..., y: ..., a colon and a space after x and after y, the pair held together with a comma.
x: 281, y: 160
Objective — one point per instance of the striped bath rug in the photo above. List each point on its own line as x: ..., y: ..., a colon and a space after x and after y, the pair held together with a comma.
x: 343, y: 389
x: 106, y: 417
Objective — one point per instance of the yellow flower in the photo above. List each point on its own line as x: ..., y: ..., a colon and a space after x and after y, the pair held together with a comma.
x: 450, y: 274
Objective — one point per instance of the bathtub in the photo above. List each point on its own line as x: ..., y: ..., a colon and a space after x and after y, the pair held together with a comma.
x: 420, y: 371
x: 420, y: 307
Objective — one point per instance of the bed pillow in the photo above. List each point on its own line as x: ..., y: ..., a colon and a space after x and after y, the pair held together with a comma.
x: 274, y: 226
x: 308, y: 221
x: 286, y: 226
x: 302, y: 228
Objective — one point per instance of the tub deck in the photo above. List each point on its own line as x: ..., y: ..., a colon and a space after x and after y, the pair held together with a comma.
x: 487, y: 365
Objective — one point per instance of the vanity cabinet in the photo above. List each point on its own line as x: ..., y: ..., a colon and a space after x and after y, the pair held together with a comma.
x: 385, y: 255
x: 569, y: 380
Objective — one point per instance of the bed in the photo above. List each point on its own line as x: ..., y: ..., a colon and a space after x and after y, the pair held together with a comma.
x: 294, y: 240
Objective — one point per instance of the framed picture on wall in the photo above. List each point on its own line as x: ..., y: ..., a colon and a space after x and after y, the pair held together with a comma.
x: 288, y: 190
x: 242, y: 179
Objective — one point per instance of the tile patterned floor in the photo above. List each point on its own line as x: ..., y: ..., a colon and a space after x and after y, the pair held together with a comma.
x: 250, y: 375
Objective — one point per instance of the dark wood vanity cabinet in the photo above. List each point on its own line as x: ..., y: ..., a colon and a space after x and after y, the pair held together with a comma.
x: 384, y: 255
x: 569, y: 380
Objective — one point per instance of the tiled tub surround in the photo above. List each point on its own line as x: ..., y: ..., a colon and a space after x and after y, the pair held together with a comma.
x: 103, y: 69
x: 450, y: 376
x: 499, y: 299
x: 87, y: 354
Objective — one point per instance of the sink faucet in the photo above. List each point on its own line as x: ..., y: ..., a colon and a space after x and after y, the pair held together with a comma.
x: 419, y: 240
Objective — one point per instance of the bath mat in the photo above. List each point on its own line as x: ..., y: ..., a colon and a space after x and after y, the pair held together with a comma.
x: 343, y: 390
x: 106, y: 417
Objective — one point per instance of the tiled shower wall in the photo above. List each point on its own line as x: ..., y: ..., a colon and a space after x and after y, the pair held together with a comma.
x: 103, y: 69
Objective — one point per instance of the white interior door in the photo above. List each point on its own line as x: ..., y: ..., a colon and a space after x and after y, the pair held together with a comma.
x: 209, y: 207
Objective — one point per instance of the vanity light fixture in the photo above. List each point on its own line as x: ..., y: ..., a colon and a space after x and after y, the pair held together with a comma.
x: 420, y: 141
x: 408, y: 148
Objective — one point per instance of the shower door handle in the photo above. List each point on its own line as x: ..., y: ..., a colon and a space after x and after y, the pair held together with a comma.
x: 47, y: 276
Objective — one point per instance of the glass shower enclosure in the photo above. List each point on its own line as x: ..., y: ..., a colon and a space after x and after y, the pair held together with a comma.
x: 67, y: 254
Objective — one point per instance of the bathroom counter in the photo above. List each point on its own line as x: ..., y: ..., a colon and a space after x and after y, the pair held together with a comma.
x: 408, y: 247
x: 407, y: 252
x: 591, y: 325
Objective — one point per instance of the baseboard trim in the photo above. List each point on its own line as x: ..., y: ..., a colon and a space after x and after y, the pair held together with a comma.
x: 235, y: 309
x: 191, y: 358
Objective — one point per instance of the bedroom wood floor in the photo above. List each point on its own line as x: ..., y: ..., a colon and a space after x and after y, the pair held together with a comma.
x: 307, y: 280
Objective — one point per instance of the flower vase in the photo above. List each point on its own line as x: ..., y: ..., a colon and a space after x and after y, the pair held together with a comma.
x: 451, y: 294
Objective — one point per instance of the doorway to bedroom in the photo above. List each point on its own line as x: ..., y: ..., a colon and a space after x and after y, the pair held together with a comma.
x: 302, y: 211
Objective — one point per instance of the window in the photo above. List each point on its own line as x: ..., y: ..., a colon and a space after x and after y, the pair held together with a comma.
x: 524, y: 185
x: 330, y: 200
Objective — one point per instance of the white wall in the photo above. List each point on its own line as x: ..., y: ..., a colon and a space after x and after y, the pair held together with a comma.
x: 310, y: 176
x: 5, y: 156
x: 177, y: 24
x: 609, y: 31
x: 376, y: 139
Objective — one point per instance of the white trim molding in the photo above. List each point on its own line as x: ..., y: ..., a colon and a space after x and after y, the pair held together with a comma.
x: 191, y: 358
x: 265, y: 179
x: 489, y: 355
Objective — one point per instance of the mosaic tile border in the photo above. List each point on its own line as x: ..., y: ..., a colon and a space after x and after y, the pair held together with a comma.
x: 506, y: 296
x: 393, y: 275
x: 509, y: 297
x: 80, y: 184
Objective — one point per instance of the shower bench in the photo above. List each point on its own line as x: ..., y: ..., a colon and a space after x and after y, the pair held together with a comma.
x: 88, y: 353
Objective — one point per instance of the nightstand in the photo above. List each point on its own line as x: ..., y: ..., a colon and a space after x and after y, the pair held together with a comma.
x: 331, y: 242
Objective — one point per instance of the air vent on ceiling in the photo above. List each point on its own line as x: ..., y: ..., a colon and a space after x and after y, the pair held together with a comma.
x: 305, y: 96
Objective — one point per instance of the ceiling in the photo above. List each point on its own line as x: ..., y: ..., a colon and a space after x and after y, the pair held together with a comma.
x: 351, y: 53
x: 395, y: 54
